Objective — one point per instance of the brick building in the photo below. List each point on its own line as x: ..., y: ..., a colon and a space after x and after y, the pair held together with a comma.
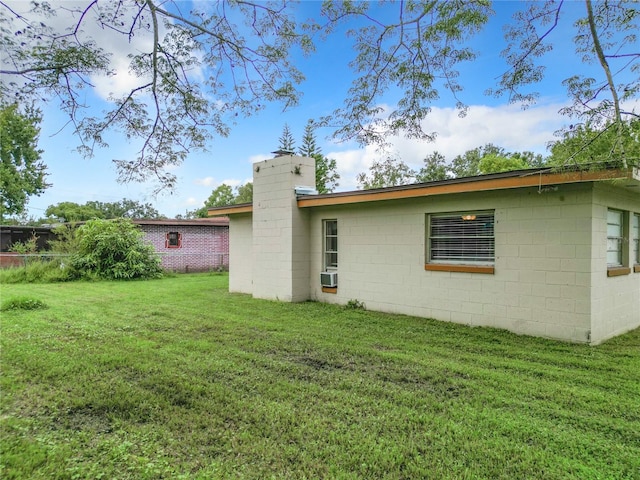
x: 196, y: 245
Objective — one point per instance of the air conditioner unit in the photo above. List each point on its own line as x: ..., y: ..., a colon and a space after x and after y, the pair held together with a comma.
x: 329, y: 279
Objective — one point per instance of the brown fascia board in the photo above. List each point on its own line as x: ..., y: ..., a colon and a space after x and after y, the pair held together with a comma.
x: 214, y: 222
x: 500, y: 181
x: 230, y: 210
x: 532, y: 177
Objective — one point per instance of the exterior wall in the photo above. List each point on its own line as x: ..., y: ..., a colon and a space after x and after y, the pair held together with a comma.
x: 203, y: 247
x: 241, y: 254
x: 541, y: 285
x: 280, y: 229
x: 615, y: 301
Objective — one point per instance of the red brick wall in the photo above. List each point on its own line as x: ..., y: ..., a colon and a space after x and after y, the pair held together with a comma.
x: 8, y: 260
x: 203, y: 247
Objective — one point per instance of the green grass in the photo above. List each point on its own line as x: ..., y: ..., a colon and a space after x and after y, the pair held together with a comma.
x: 176, y: 378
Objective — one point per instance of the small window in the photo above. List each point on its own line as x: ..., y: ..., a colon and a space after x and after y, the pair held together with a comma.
x: 330, y: 251
x: 174, y: 240
x: 615, y: 234
x: 635, y: 235
x: 462, y: 238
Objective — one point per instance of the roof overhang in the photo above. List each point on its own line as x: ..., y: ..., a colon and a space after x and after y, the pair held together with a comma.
x: 230, y: 210
x: 628, y: 179
x: 518, y: 179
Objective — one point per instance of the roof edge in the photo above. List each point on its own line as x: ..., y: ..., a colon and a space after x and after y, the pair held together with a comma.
x: 514, y: 179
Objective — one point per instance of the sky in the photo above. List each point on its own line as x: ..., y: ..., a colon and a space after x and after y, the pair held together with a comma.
x: 228, y: 160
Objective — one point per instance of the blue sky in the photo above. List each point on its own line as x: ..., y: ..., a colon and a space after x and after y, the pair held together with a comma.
x: 229, y: 159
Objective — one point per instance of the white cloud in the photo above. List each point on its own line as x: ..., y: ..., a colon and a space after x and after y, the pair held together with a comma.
x: 205, y: 182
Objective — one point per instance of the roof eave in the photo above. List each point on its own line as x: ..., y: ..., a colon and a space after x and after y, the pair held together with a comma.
x: 509, y: 180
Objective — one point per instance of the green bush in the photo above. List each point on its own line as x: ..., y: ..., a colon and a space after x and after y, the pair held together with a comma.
x: 114, y: 249
x: 22, y: 303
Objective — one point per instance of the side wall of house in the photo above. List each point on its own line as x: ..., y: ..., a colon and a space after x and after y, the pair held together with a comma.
x: 615, y: 299
x: 202, y: 248
x: 241, y: 254
x: 541, y: 284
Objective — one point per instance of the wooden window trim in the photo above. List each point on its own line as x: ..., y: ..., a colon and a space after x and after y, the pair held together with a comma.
x: 618, y: 271
x: 447, y: 267
x: 167, y: 241
x: 636, y: 268
x: 330, y: 289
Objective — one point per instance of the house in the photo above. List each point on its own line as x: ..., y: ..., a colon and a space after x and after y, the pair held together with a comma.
x: 197, y: 245
x: 537, y: 252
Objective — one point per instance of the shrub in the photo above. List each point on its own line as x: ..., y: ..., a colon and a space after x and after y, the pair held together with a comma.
x: 355, y: 304
x: 28, y: 246
x: 114, y: 249
x: 22, y: 303
x: 67, y: 241
x: 39, y: 271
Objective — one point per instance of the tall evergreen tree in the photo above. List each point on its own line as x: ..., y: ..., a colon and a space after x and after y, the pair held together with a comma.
x: 287, y: 143
x: 309, y: 146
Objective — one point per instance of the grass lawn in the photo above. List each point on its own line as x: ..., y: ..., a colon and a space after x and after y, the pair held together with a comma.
x: 177, y: 378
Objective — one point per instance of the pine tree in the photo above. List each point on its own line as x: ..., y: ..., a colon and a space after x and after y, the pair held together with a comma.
x: 309, y: 146
x: 287, y: 143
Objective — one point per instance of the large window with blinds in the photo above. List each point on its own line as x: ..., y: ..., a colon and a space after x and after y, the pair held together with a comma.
x: 461, y: 238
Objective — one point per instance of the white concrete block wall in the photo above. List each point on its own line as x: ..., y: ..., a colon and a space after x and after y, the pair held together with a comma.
x: 241, y: 254
x: 280, y: 229
x: 615, y: 301
x: 541, y: 284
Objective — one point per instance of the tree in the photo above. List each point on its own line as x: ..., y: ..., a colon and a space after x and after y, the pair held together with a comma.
x: 327, y: 175
x: 386, y: 173
x: 125, y: 208
x: 22, y: 174
x: 468, y: 164
x: 73, y: 212
x: 583, y: 145
x: 606, y: 36
x: 407, y: 55
x: 493, y: 163
x: 244, y: 193
x: 309, y: 146
x: 478, y: 161
x: 326, y: 168
x: 435, y: 168
x: 220, y: 196
x: 114, y: 249
x: 287, y: 143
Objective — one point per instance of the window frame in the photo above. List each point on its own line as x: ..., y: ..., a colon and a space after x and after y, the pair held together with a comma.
x: 621, y: 238
x: 327, y: 264
x: 169, y: 242
x: 460, y: 232
x: 616, y: 237
x: 635, y: 239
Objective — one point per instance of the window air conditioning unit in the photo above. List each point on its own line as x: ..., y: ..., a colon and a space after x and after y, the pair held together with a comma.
x: 329, y: 279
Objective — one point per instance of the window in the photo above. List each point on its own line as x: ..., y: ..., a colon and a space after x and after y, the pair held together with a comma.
x: 615, y: 232
x: 462, y: 238
x: 330, y: 245
x: 173, y: 240
x: 635, y: 235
